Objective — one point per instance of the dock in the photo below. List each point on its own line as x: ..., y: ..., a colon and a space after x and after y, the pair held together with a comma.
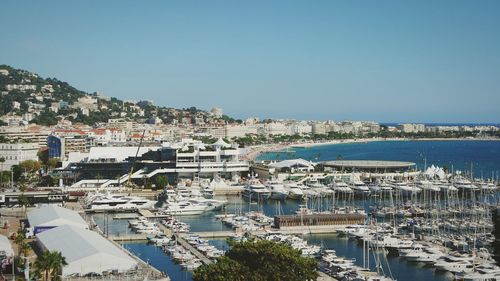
x: 150, y: 215
x: 214, y: 234
x: 129, y: 237
x: 192, y: 249
x: 128, y: 216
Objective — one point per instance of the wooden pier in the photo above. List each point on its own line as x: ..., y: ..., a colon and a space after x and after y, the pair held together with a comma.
x: 129, y: 237
x: 192, y: 249
x: 214, y: 234
x: 127, y: 216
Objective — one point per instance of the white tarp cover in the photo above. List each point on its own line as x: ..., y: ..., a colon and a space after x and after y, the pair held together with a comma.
x: 55, y: 216
x: 434, y: 172
x: 292, y: 163
x: 220, y: 142
x: 5, y: 246
x: 120, y: 153
x: 85, y: 251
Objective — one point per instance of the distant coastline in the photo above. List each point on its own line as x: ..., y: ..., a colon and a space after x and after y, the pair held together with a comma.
x: 255, y: 151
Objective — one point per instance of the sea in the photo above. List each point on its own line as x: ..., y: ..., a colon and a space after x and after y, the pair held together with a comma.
x: 482, y: 156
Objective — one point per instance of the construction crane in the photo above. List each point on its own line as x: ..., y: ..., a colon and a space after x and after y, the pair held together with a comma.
x: 133, y: 162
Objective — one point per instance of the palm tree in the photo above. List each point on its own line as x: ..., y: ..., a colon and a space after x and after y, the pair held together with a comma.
x: 25, y: 248
x: 42, y: 266
x: 98, y: 177
x: 2, y: 160
x: 49, y: 265
x: 57, y: 262
x: 20, y: 237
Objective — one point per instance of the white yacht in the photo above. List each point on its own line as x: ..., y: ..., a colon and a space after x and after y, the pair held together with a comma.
x: 320, y: 188
x: 341, y: 187
x: 308, y: 191
x: 427, y: 185
x: 406, y: 189
x: 208, y: 192
x: 119, y: 202
x: 428, y: 255
x: 359, y: 187
x: 415, y: 249
x: 455, y: 264
x: 465, y: 184
x: 294, y: 191
x: 278, y: 191
x: 392, y: 242
x: 185, y: 208
x: 444, y: 186
x: 212, y: 204
x: 487, y: 186
x: 256, y: 191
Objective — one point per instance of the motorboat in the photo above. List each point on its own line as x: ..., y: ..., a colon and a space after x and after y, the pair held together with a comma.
x: 278, y: 191
x: 359, y: 187
x: 185, y: 208
x: 119, y: 202
x: 256, y: 191
x: 294, y: 191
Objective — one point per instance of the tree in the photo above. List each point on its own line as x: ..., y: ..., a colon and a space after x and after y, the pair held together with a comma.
x: 52, y: 163
x: 2, y: 160
x: 259, y: 260
x: 161, y: 182
x: 49, y: 265
x: 30, y: 166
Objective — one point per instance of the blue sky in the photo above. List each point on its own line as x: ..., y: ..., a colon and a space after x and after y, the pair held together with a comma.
x: 389, y: 61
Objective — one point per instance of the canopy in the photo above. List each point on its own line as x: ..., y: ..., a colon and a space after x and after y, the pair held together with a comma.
x: 85, y: 251
x: 5, y: 247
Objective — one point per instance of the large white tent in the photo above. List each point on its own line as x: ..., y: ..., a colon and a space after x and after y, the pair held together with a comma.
x: 5, y: 247
x: 299, y: 164
x: 53, y: 216
x: 85, y: 251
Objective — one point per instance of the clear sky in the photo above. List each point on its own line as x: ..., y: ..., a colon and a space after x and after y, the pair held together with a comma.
x: 389, y: 61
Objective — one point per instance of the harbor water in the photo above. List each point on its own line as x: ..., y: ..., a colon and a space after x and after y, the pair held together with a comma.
x: 351, y: 249
x: 484, y: 156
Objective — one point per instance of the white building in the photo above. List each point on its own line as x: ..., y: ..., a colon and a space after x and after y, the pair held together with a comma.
x: 16, y: 105
x: 15, y: 153
x: 5, y: 247
x: 240, y: 130
x: 53, y: 216
x: 85, y: 251
x: 412, y: 128
x: 319, y: 128
x: 20, y: 87
x: 276, y: 128
x: 300, y: 128
x: 216, y: 112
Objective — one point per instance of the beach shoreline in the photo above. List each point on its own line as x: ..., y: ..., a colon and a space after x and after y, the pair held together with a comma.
x: 254, y: 151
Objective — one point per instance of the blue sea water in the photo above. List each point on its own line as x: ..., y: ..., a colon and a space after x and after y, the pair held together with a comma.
x: 160, y: 260
x: 401, y: 269
x: 482, y: 156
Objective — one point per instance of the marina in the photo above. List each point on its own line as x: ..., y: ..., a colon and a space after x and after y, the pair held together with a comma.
x: 356, y: 223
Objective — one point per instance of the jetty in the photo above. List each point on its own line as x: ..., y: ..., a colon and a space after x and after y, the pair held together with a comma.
x: 180, y: 240
x: 128, y: 237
